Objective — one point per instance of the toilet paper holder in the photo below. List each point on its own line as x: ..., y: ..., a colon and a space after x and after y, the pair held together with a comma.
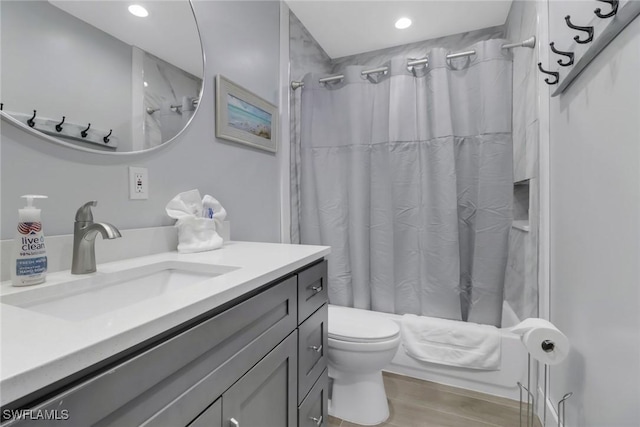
x: 548, y: 346
x: 530, y: 405
x: 530, y: 396
x: 561, y: 408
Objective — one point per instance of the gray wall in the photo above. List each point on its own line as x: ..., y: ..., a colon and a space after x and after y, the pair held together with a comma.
x: 241, y: 41
x: 595, y: 231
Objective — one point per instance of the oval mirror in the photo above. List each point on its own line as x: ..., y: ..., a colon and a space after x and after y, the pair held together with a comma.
x: 94, y: 76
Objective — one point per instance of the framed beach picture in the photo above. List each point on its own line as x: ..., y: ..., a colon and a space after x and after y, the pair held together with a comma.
x: 244, y: 117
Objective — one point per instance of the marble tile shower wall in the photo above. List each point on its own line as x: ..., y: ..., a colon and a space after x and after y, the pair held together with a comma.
x: 305, y: 56
x: 521, y: 24
x: 521, y: 280
x: 166, y: 86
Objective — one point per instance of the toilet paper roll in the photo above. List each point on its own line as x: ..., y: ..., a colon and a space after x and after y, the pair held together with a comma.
x: 543, y: 340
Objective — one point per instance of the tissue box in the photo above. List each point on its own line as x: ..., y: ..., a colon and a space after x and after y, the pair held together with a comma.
x: 197, y: 235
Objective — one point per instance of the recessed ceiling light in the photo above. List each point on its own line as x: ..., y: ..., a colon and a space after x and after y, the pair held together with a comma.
x: 145, y: 84
x: 403, y: 23
x: 138, y: 10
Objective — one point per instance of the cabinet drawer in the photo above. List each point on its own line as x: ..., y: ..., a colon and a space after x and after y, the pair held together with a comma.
x: 312, y: 289
x: 173, y: 382
x: 312, y: 350
x: 266, y: 395
x: 313, y: 412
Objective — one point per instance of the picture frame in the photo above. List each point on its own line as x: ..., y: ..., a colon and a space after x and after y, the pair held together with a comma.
x: 244, y: 117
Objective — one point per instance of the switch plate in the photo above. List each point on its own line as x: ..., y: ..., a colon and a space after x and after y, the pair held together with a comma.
x: 138, y: 183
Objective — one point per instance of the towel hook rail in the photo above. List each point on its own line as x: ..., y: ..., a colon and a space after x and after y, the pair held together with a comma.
x: 59, y: 125
x: 614, y: 9
x: 106, y: 138
x: 84, y: 132
x: 551, y: 73
x: 31, y: 122
x: 560, y: 52
x: 588, y: 30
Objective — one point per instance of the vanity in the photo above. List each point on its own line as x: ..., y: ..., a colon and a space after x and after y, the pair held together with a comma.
x: 232, y: 337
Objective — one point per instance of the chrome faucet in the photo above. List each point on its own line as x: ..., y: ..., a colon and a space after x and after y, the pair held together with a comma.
x: 85, y: 232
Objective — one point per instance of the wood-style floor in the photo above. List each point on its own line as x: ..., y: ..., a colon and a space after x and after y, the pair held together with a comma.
x: 417, y: 403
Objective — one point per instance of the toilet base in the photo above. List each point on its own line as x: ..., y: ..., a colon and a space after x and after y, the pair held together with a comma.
x: 359, y: 398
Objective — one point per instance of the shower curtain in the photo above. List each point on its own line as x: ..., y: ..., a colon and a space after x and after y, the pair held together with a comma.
x: 408, y: 177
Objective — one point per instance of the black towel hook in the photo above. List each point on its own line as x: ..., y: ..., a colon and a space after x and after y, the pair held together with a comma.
x: 1, y: 106
x: 614, y: 9
x: 559, y: 52
x: 551, y: 73
x: 588, y: 30
x: 31, y: 122
x: 106, y: 138
x: 84, y: 132
x: 59, y: 125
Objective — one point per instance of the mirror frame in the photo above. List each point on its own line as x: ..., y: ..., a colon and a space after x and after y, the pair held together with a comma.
x: 58, y: 141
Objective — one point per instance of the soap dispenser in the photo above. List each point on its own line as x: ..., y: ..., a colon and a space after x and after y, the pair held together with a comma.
x: 29, y: 249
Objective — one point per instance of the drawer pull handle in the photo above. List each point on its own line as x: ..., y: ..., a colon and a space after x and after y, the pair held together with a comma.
x: 315, y: 348
x: 318, y: 421
x: 316, y: 289
x: 234, y: 423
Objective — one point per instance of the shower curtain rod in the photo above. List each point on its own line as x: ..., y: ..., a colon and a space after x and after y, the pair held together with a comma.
x: 530, y: 43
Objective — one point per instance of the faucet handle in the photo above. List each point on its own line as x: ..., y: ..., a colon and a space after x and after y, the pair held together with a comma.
x: 84, y: 212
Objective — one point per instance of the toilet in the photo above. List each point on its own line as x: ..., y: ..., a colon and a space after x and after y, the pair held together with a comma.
x: 361, y: 344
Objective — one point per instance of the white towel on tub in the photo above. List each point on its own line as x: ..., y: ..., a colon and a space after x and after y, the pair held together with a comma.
x: 451, y: 342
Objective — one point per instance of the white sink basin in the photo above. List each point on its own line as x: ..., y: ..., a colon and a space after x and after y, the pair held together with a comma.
x: 100, y: 293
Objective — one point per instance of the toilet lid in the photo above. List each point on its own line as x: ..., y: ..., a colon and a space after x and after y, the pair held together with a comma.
x: 354, y: 325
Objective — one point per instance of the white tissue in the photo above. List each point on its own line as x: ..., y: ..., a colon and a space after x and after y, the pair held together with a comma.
x: 197, y: 221
x: 533, y: 332
x: 186, y: 204
x: 197, y: 235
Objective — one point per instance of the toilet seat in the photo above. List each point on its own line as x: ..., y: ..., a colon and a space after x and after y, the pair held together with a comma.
x: 350, y: 325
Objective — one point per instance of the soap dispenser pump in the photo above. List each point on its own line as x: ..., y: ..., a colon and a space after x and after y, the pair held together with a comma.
x: 30, y: 252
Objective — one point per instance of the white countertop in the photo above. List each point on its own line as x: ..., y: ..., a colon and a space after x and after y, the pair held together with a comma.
x: 37, y: 349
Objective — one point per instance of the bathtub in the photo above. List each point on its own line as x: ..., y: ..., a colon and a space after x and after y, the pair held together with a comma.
x: 498, y: 383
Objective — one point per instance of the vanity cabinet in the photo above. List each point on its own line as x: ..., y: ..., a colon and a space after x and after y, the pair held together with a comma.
x: 313, y: 337
x: 211, y: 417
x: 254, y: 363
x: 265, y: 396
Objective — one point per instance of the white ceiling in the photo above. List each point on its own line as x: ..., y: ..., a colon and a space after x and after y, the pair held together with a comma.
x: 169, y: 32
x: 345, y: 28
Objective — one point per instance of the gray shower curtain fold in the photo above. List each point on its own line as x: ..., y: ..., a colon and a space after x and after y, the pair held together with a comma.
x: 409, y: 180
